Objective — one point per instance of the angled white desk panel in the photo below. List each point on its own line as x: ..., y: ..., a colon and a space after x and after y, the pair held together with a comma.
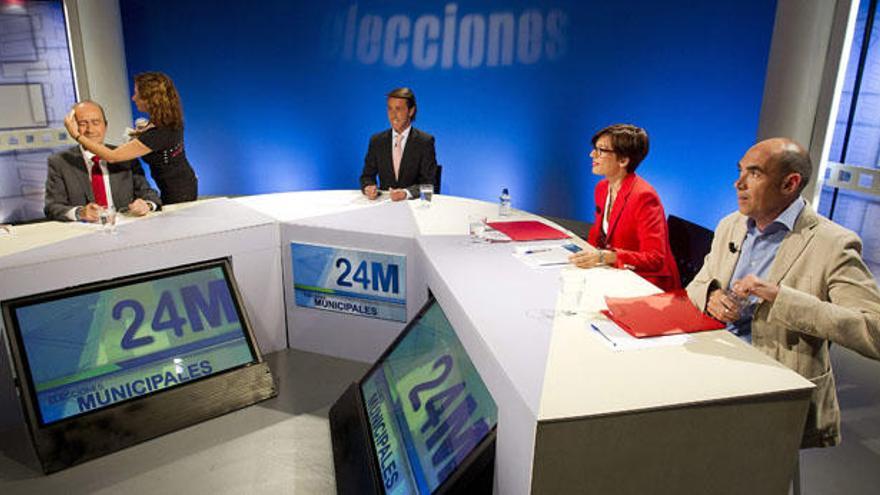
x: 299, y: 205
x: 384, y: 227
x: 697, y: 415
x: 387, y: 218
x: 504, y: 300
x: 197, y: 219
x: 21, y: 238
x: 566, y: 400
x: 449, y: 215
x: 25, y: 237
x: 711, y: 366
x: 502, y: 312
x: 187, y: 234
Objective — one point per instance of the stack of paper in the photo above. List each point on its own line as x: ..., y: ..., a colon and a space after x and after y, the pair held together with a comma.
x: 545, y: 255
x: 619, y: 340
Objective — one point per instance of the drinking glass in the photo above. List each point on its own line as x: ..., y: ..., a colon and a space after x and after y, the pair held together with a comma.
x: 739, y: 302
x: 476, y: 227
x: 107, y: 217
x: 427, y: 192
x: 571, y: 289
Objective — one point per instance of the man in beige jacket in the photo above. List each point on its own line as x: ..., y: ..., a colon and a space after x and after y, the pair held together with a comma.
x: 789, y: 281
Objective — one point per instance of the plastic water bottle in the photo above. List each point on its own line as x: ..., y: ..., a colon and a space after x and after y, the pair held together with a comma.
x: 504, y: 203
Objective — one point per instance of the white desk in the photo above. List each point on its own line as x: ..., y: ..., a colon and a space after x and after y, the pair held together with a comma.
x: 347, y: 219
x: 573, y: 415
x: 54, y: 255
x: 576, y: 417
x: 713, y: 416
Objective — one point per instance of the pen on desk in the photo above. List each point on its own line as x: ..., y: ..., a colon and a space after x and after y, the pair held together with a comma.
x: 613, y: 344
x: 533, y: 251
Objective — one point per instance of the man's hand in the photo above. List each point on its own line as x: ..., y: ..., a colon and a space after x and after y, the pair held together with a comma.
x: 90, y: 213
x: 371, y: 192
x: 397, y: 194
x: 723, y: 307
x: 752, y: 285
x: 138, y: 207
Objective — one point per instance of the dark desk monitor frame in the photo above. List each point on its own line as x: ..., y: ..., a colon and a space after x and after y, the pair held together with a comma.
x: 73, y: 440
x: 354, y: 458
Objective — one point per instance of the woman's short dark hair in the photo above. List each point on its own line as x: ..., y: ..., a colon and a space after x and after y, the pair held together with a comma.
x: 408, y: 95
x: 627, y: 141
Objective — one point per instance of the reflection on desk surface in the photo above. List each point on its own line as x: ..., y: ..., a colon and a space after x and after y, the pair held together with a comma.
x: 281, y: 445
x: 34, y: 235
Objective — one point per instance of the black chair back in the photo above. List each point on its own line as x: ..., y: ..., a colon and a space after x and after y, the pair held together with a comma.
x: 438, y: 174
x: 690, y: 244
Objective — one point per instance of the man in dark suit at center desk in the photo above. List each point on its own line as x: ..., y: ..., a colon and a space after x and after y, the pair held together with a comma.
x: 79, y: 184
x: 402, y: 156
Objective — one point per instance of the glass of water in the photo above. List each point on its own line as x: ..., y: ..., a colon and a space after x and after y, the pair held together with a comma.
x: 476, y: 227
x: 571, y: 290
x: 107, y: 217
x: 427, y: 192
x: 739, y: 302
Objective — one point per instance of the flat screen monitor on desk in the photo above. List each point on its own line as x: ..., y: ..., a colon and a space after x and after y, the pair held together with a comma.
x: 105, y: 365
x: 421, y: 421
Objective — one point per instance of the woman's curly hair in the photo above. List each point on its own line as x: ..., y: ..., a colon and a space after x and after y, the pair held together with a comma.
x: 160, y: 95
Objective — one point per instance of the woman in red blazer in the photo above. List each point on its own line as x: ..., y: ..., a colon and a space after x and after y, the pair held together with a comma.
x: 630, y: 229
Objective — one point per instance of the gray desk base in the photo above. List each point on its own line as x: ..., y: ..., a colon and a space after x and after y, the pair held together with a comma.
x: 728, y: 447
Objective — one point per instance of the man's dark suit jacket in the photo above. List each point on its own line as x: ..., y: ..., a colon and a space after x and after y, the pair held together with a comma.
x: 417, y: 166
x: 69, y: 185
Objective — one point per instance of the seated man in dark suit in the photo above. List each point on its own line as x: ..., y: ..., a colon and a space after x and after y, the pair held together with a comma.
x: 402, y: 156
x: 79, y: 184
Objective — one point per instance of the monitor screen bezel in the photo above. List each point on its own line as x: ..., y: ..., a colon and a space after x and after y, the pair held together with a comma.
x: 20, y: 358
x: 476, y: 452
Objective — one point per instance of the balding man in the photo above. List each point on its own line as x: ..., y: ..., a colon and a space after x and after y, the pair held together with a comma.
x: 79, y: 184
x: 789, y: 281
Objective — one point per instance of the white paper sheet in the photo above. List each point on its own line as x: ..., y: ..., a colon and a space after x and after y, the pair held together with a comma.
x: 555, y: 254
x: 618, y: 339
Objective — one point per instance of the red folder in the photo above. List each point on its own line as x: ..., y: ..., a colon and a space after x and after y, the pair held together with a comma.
x: 661, y: 314
x: 527, y: 230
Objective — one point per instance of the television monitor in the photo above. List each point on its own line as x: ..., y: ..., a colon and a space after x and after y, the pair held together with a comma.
x: 421, y: 421
x: 109, y: 364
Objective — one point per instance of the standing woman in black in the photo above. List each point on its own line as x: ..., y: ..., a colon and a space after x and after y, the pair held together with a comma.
x: 159, y: 142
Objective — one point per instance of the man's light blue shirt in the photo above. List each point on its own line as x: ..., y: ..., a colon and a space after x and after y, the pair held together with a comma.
x: 756, y: 255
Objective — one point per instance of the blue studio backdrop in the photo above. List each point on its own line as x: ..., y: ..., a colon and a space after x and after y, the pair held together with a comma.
x: 281, y: 95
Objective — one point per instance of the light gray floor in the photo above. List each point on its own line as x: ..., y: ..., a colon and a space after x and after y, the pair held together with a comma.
x: 283, y: 445
x: 278, y: 446
x: 853, y: 467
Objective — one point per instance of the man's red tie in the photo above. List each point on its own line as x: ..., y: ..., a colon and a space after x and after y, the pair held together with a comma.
x: 98, y: 182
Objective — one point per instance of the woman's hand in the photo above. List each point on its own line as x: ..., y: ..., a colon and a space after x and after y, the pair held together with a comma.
x: 589, y: 258
x: 585, y: 259
x: 71, y: 125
